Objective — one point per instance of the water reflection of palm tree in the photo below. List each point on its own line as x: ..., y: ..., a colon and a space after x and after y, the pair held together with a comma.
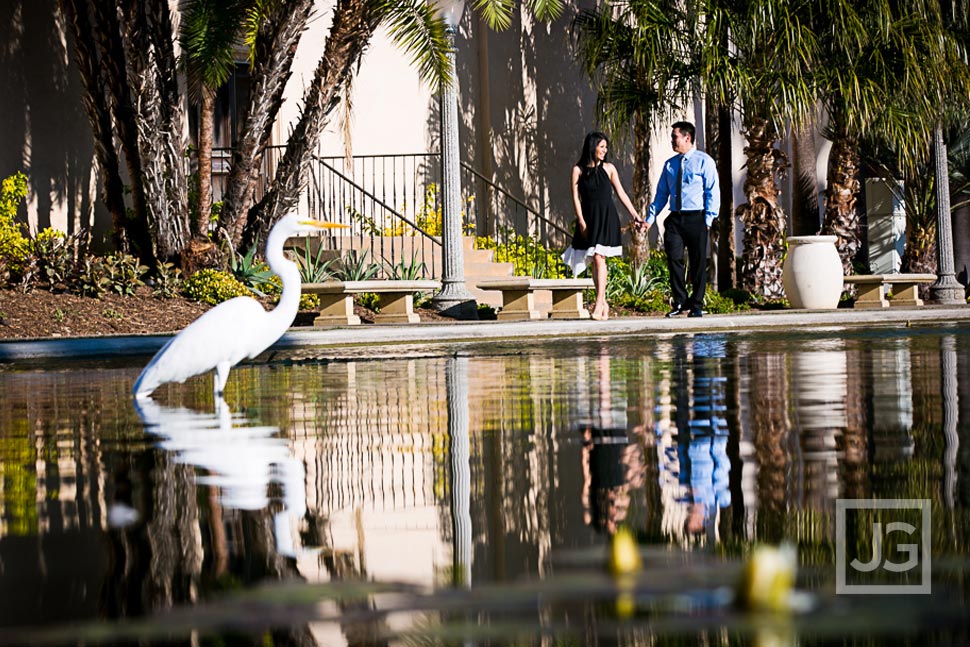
x: 612, y: 465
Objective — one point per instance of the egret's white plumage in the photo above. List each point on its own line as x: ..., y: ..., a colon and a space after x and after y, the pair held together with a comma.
x: 234, y: 330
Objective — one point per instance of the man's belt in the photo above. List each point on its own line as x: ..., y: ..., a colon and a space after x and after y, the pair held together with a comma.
x: 685, y: 212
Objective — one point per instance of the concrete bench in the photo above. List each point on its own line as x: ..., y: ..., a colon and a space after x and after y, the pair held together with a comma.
x: 396, y: 298
x: 518, y: 298
x: 873, y: 288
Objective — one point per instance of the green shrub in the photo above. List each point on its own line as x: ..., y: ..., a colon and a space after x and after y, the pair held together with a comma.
x: 14, y: 246
x: 213, y: 287
x: 369, y: 300
x: 167, y: 281
x: 92, y: 279
x: 652, y: 301
x: 124, y: 273
x: 309, y: 302
x: 406, y: 270
x: 624, y: 279
x: 717, y: 303
x: 53, y: 259
x: 529, y: 257
x: 314, y: 268
x: 356, y: 267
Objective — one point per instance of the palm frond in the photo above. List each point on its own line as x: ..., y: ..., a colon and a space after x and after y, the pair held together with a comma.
x: 416, y: 28
x: 497, y: 13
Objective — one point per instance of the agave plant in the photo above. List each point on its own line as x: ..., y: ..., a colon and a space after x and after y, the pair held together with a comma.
x: 406, y: 270
x: 248, y: 270
x: 357, y: 268
x: 314, y: 268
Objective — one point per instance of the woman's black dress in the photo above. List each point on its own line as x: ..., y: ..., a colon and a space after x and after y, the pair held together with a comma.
x: 602, y: 221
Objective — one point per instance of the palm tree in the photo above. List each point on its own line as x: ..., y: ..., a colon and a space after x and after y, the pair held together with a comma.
x: 764, y: 73
x: 129, y: 42
x: 639, y: 60
x: 416, y: 27
x: 889, y: 69
x: 210, y: 33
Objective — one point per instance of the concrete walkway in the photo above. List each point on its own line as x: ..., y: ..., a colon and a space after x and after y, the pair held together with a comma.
x: 453, y: 332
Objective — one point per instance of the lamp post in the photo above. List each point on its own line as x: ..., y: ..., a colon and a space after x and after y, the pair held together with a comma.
x: 946, y: 289
x: 454, y: 299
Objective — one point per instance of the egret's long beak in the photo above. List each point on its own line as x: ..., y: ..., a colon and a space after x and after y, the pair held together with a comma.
x: 320, y: 224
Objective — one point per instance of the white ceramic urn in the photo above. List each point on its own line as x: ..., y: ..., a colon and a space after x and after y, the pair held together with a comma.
x: 812, y: 273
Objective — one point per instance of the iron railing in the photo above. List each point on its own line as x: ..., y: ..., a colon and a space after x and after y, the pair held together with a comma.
x: 392, y: 205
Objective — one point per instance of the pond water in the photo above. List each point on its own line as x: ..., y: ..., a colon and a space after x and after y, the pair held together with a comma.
x: 465, y: 493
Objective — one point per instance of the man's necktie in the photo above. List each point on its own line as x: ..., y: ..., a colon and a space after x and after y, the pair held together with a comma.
x: 679, y: 197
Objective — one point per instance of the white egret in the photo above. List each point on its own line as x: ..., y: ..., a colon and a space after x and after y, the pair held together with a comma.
x: 236, y: 329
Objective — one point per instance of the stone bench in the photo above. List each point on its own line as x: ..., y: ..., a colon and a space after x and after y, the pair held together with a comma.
x: 873, y: 288
x: 396, y: 298
x: 518, y: 298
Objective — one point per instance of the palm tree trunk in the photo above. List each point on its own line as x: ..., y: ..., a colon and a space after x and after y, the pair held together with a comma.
x: 206, y: 119
x: 274, y: 49
x: 640, y: 239
x: 718, y: 127
x: 107, y: 29
x: 763, y: 218
x: 841, y: 219
x: 161, y: 125
x: 805, y: 203
x: 354, y: 22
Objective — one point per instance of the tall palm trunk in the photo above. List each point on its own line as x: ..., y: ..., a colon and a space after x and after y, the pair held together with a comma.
x: 763, y: 218
x: 841, y: 218
x: 718, y: 127
x: 273, y: 52
x: 354, y: 22
x: 640, y: 239
x: 805, y: 201
x: 111, y: 58
x: 206, y: 123
x: 153, y: 78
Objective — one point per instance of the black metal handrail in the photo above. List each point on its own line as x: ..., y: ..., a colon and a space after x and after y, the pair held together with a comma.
x: 393, y: 201
x: 494, y: 187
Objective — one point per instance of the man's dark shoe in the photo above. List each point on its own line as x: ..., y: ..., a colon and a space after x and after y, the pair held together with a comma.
x: 678, y: 310
x: 695, y: 312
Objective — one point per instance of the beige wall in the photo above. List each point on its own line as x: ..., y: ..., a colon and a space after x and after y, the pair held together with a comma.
x: 43, y: 129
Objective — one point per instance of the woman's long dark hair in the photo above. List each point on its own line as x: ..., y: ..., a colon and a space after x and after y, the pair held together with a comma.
x: 588, y: 156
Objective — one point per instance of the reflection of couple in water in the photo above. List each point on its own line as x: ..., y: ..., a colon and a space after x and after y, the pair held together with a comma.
x: 612, y: 462
x: 693, y: 463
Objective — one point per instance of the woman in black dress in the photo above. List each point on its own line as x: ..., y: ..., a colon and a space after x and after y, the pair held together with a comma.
x: 597, y: 222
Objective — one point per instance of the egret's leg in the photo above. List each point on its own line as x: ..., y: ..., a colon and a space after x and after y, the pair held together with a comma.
x: 221, y: 375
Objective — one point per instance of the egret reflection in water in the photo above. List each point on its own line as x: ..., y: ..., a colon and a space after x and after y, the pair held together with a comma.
x: 242, y: 460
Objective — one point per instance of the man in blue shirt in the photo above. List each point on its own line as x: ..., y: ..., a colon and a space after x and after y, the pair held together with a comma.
x: 689, y: 184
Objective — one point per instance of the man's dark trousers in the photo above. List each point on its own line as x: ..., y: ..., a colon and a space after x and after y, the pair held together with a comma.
x: 687, y: 229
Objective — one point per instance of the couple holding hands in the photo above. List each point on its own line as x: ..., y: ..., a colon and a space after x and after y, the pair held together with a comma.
x: 688, y: 183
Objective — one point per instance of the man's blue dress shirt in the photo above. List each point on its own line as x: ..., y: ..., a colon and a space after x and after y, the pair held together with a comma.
x: 700, y: 189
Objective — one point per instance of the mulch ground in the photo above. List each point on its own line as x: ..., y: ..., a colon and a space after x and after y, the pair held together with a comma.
x: 45, y: 314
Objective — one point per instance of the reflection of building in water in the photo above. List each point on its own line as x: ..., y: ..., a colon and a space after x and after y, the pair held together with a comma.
x: 374, y: 443
x: 819, y: 395
x: 692, y: 437
x: 892, y: 402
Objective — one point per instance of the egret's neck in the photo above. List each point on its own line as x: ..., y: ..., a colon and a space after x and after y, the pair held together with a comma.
x: 289, y: 303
